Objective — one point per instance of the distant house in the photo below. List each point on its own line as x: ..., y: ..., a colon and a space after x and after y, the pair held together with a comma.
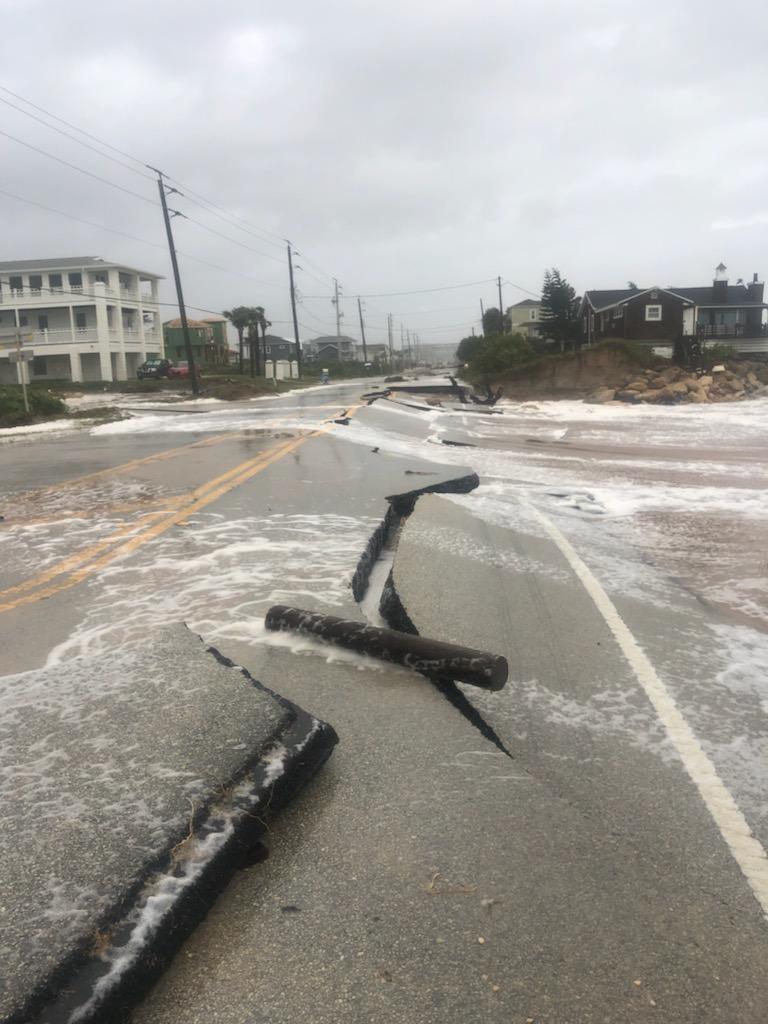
x: 279, y: 357
x: 732, y: 313
x: 208, y: 337
x: 331, y: 348
x: 375, y: 352
x: 525, y: 318
x: 276, y: 347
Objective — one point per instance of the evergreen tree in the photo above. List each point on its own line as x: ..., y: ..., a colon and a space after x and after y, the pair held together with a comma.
x: 493, y: 322
x: 467, y: 348
x: 560, y: 309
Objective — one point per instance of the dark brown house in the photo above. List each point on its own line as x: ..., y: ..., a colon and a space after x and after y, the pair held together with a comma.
x: 721, y: 311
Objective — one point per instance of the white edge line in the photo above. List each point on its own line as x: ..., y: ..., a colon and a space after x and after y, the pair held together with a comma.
x: 747, y: 851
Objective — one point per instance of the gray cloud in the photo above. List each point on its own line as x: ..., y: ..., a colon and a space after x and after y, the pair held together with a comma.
x: 400, y: 146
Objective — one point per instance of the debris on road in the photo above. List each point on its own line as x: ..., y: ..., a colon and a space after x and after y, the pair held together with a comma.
x: 135, y: 781
x: 431, y: 658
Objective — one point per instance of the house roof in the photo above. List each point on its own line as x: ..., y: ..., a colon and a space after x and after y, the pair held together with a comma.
x: 332, y: 339
x: 69, y: 262
x: 526, y: 302
x: 190, y: 323
x: 603, y: 299
x: 275, y: 339
x: 736, y: 295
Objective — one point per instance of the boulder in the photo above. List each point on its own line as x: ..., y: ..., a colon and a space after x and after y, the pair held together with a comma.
x: 637, y: 385
x: 705, y: 381
x: 601, y: 395
x: 627, y: 396
x: 698, y: 397
x: 752, y: 378
x: 671, y: 374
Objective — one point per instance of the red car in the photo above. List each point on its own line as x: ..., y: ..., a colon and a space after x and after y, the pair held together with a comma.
x: 181, y: 371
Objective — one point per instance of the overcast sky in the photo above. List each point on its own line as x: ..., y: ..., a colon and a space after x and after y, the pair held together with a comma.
x: 401, y: 146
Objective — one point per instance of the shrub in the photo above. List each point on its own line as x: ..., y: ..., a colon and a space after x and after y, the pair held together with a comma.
x: 499, y: 352
x: 711, y: 355
x: 40, y: 403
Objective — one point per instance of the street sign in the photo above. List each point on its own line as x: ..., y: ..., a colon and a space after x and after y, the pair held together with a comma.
x: 20, y: 356
x: 12, y: 337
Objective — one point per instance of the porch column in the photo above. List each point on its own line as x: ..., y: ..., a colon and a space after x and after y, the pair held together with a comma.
x: 75, y: 368
x: 121, y: 368
x: 102, y: 333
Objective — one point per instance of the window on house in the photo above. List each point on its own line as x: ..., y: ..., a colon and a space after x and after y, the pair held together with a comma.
x: 100, y: 277
x: 40, y: 366
x: 653, y: 312
x: 35, y: 283
x: 42, y: 323
x: 54, y: 282
x: 23, y: 321
x: 15, y: 283
x: 81, y: 320
x: 76, y: 282
x: 533, y: 314
x: 654, y: 294
x: 618, y: 313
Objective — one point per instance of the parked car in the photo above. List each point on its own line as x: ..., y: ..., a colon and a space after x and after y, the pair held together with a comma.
x: 181, y: 371
x: 154, y: 369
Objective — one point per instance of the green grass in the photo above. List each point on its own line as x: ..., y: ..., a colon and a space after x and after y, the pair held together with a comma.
x: 42, y: 406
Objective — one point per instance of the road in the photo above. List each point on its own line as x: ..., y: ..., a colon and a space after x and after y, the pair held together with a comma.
x: 424, y: 875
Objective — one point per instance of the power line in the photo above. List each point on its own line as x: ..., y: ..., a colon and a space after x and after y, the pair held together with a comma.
x: 82, y: 170
x: 190, y: 192
x: 415, y: 291
x: 201, y: 200
x: 143, y: 241
x: 536, y: 295
x: 74, y: 127
x: 80, y: 142
x: 234, y: 241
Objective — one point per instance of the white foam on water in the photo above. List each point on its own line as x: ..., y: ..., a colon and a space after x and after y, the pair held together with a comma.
x: 48, y: 428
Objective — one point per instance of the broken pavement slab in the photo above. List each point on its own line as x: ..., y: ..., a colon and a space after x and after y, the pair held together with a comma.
x: 131, y: 782
x: 574, y: 717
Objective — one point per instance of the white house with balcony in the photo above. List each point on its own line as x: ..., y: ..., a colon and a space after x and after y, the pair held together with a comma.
x: 83, y: 317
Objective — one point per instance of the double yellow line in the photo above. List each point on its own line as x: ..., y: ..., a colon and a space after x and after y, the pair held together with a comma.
x: 76, y: 568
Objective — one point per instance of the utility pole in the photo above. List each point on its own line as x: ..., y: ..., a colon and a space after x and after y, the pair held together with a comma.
x: 501, y: 307
x: 293, y: 310
x: 362, y: 329
x: 164, y: 191
x: 389, y: 339
x: 402, y: 345
x: 482, y: 318
x: 410, y: 354
x: 335, y: 301
x: 22, y: 370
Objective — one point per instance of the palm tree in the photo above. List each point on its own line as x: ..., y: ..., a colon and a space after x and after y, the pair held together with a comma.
x: 263, y: 324
x: 240, y: 318
x: 257, y: 321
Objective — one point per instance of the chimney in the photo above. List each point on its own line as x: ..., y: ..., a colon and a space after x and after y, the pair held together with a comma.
x: 720, y: 284
x: 755, y: 290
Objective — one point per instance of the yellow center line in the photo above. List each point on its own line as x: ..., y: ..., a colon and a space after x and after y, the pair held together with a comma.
x: 124, y: 466
x: 84, y: 562
x: 86, y: 554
